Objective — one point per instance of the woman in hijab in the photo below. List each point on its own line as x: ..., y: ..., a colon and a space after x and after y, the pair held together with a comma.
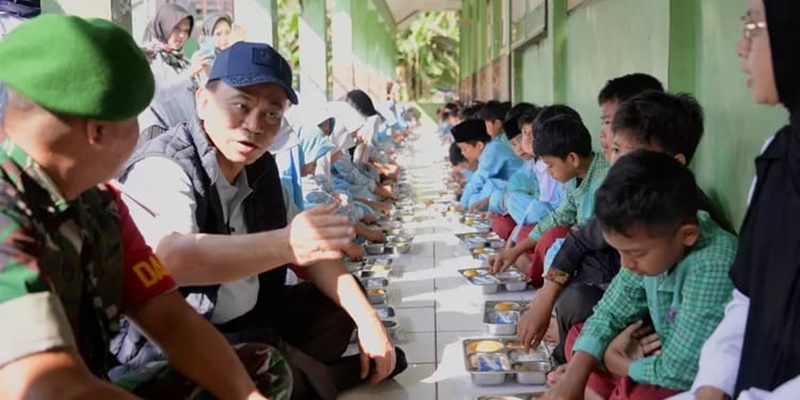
x: 176, y: 76
x: 755, y: 351
x: 218, y: 27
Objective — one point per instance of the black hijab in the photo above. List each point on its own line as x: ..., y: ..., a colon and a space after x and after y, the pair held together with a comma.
x: 166, y: 19
x: 767, y: 266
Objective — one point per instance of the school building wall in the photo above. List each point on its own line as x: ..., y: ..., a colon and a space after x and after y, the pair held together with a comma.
x: 689, y: 45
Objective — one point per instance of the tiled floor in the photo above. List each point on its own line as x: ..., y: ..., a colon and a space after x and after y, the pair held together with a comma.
x: 435, y: 309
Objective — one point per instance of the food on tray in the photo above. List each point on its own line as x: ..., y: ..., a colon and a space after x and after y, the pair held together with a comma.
x: 479, y: 250
x: 489, y: 363
x: 514, y: 345
x: 505, y: 306
x: 470, y: 273
x: 379, y: 268
x: 375, y: 283
x: 483, y: 280
x: 377, y: 292
x: 506, y: 317
x: 485, y: 346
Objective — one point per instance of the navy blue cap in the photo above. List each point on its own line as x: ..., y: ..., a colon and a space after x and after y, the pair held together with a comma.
x: 247, y: 64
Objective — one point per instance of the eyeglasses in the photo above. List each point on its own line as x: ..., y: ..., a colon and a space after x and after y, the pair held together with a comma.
x: 750, y: 27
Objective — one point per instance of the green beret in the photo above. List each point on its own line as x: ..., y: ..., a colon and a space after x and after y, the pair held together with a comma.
x: 87, y: 68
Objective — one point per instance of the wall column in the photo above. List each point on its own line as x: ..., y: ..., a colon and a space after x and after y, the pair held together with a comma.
x: 342, y: 47
x: 259, y: 18
x: 313, y: 50
x: 118, y: 11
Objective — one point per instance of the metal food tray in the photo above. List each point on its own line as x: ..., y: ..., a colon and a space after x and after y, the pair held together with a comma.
x: 476, y: 240
x: 524, y: 396
x: 399, y: 248
x: 505, y: 360
x: 490, y: 313
x: 387, y: 261
x: 483, y: 253
x: 510, y: 280
x: 377, y: 290
x: 388, y: 316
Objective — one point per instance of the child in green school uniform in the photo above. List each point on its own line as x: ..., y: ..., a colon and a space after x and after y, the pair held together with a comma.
x: 676, y: 261
x: 565, y: 146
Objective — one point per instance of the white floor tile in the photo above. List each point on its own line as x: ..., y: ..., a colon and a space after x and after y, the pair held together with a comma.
x: 412, y: 293
x: 420, y: 347
x: 415, y: 383
x: 417, y: 320
x: 448, y: 347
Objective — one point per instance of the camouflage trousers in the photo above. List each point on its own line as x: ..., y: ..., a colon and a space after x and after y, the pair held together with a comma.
x: 268, y: 369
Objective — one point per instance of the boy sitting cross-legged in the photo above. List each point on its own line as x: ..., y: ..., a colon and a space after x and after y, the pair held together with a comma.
x: 676, y: 261
x: 585, y: 264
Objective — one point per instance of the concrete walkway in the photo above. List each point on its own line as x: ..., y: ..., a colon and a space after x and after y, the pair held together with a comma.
x: 435, y: 306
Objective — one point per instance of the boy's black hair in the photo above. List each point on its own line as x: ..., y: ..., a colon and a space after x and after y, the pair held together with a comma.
x: 511, y: 125
x: 456, y: 156
x: 625, y: 87
x: 469, y: 112
x: 553, y: 111
x: 494, y: 111
x: 561, y: 135
x: 451, y: 108
x: 674, y: 122
x: 527, y: 118
x: 648, y: 188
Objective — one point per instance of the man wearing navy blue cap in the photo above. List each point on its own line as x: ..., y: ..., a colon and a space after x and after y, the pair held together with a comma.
x: 207, y: 196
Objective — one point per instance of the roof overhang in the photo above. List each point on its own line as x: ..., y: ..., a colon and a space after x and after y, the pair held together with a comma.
x: 404, y: 12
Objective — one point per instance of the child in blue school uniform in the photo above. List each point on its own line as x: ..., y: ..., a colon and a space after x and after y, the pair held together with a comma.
x: 531, y: 194
x: 496, y: 160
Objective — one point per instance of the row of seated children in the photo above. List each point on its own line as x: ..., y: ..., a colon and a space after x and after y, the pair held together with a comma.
x: 651, y: 319
x: 677, y: 258
x: 563, y: 144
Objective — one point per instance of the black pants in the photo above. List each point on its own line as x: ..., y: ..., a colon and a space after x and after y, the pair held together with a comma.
x: 312, y: 332
x: 574, y: 305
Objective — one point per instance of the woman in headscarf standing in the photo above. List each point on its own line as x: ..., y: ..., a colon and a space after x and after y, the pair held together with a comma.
x: 176, y: 76
x: 218, y: 28
x: 755, y: 351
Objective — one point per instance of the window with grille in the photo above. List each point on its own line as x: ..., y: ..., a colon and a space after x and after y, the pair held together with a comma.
x: 528, y: 21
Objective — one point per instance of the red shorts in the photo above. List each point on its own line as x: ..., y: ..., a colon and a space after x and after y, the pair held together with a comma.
x: 612, y: 387
x: 537, y: 255
x: 502, y: 225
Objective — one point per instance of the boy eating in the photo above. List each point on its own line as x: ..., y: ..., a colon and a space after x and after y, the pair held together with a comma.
x: 676, y: 261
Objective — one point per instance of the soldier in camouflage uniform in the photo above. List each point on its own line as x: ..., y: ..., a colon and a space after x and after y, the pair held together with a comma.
x: 71, y: 259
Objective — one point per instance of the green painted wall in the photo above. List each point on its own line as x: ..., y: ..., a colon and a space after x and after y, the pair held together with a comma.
x: 609, y: 38
x: 735, y: 127
x: 688, y: 44
x: 537, y: 72
x: 373, y: 42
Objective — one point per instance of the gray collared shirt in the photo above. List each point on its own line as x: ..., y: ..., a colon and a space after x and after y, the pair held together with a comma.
x: 161, y: 201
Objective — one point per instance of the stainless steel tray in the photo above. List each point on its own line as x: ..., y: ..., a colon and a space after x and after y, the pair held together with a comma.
x: 494, y: 316
x: 525, y: 396
x: 495, y: 361
x: 510, y: 280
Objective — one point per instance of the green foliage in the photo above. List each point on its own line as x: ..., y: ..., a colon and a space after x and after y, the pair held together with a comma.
x: 428, y: 52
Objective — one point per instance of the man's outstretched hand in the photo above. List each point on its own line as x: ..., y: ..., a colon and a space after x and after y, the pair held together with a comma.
x: 319, y: 235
